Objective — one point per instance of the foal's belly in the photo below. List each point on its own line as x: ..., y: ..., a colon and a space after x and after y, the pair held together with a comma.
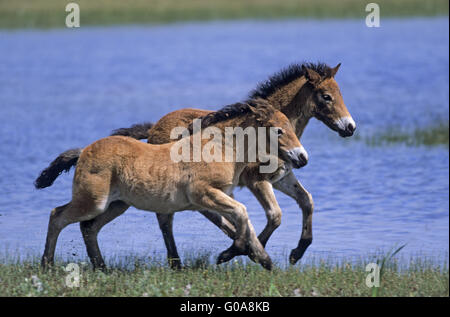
x: 162, y: 203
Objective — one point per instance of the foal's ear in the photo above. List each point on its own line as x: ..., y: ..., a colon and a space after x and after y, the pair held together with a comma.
x: 334, y: 70
x: 311, y: 75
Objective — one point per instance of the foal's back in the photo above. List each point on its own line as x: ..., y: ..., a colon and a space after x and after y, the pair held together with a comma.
x: 121, y: 168
x: 160, y: 132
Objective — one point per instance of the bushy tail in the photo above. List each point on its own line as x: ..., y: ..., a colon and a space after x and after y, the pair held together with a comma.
x: 62, y: 163
x: 137, y: 131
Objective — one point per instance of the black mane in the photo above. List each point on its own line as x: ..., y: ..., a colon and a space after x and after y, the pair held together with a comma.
x: 228, y: 112
x: 263, y: 91
x: 287, y: 75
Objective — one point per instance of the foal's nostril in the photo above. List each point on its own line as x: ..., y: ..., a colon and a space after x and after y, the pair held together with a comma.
x: 303, y: 159
x: 351, y: 128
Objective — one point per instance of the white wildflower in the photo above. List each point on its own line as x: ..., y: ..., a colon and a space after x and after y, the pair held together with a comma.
x: 187, y: 290
x: 37, y: 283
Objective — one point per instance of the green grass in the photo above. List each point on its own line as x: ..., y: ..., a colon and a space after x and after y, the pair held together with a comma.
x: 200, y: 278
x: 51, y: 13
x: 434, y: 135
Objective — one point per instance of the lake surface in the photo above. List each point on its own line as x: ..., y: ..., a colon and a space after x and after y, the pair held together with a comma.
x: 61, y: 89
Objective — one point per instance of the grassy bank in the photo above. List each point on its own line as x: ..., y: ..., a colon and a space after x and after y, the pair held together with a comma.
x: 434, y: 135
x: 420, y: 278
x: 51, y: 13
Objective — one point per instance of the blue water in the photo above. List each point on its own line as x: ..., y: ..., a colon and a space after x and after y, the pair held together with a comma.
x: 66, y: 88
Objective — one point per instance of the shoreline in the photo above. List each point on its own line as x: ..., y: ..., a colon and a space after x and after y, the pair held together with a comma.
x: 50, y: 14
x: 204, y: 23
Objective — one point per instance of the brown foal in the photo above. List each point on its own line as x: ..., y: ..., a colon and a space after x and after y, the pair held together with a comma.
x: 117, y: 172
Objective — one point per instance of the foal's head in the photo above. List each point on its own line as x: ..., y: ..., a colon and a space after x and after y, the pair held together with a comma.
x: 278, y: 125
x: 326, y: 102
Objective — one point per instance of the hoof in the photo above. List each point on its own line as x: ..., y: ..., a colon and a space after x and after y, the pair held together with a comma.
x: 100, y: 268
x: 226, y: 255
x: 45, y: 264
x: 98, y: 264
x: 175, y: 264
x: 232, y: 252
x: 297, y: 253
x: 293, y: 258
x: 264, y: 259
x: 266, y: 263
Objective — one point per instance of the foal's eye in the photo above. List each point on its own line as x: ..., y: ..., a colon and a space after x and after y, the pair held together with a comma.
x: 327, y: 97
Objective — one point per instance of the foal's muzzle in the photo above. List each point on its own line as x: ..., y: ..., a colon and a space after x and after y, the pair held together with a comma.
x: 298, y: 156
x: 346, y: 126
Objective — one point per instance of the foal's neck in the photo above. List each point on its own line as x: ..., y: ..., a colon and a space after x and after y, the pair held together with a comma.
x: 293, y: 100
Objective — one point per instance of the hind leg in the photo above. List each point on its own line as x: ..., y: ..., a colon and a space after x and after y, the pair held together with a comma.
x: 165, y: 224
x: 56, y: 223
x: 85, y: 205
x: 217, y: 200
x: 60, y: 217
x: 91, y: 228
